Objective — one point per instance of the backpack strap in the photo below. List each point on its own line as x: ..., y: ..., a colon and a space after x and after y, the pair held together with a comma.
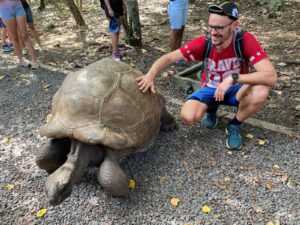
x: 206, y: 53
x: 238, y: 48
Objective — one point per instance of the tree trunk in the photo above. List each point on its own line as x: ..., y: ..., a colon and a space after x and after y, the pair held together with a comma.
x: 132, y: 25
x: 75, y: 12
x: 42, y: 5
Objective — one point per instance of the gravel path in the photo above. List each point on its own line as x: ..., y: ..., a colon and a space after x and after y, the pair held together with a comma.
x: 258, y: 184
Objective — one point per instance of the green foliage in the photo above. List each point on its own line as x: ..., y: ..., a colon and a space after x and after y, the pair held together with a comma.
x: 272, y: 5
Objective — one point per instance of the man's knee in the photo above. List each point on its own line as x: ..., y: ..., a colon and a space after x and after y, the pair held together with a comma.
x: 258, y: 94
x: 186, y: 119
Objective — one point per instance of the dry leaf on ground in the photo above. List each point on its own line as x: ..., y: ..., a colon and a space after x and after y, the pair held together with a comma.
x: 175, y: 201
x: 5, y: 140
x: 41, y: 213
x: 10, y: 187
x: 206, y: 209
x: 132, y: 184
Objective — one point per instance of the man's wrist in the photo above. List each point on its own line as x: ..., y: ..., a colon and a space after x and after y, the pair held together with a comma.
x: 234, y: 77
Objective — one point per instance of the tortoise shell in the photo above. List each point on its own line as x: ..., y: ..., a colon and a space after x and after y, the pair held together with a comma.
x: 101, y: 104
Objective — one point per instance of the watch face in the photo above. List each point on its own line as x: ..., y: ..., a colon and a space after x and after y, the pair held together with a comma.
x: 235, y: 76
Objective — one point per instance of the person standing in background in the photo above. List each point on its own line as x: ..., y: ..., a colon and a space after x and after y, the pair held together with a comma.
x: 13, y: 16
x: 29, y: 19
x: 114, y: 11
x: 178, y: 14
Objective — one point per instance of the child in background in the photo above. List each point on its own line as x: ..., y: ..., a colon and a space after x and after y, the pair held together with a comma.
x: 114, y: 13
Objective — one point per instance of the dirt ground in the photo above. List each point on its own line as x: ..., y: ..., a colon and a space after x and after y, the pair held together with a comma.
x: 71, y: 48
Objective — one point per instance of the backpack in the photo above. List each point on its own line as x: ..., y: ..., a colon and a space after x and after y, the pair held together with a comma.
x: 237, y: 47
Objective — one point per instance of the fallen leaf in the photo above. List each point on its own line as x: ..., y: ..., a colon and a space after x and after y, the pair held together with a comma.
x: 284, y: 178
x: 132, y: 184
x: 164, y: 74
x: 48, y: 118
x: 51, y: 63
x: 206, y: 209
x: 249, y: 135
x: 226, y: 179
x: 276, y: 166
x: 257, y: 209
x: 5, y: 140
x: 2, y: 77
x: 228, y: 202
x: 47, y: 86
x: 282, y: 64
x: 41, y: 213
x: 175, y: 201
x: 261, y: 142
x: 10, y: 187
x: 297, y: 107
x: 161, y: 178
x: 275, y: 222
x: 144, y: 51
x: 92, y: 54
x: 269, y: 186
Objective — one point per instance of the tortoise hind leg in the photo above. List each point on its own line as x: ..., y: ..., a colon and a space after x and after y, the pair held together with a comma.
x: 53, y: 154
x: 167, y: 121
x: 111, y: 176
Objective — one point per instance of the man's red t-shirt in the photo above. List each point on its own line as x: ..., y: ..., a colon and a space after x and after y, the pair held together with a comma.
x: 222, y: 64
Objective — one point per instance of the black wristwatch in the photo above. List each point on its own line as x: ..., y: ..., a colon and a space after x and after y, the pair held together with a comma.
x: 235, y: 77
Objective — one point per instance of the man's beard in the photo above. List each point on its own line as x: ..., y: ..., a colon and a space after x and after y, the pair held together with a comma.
x: 221, y: 39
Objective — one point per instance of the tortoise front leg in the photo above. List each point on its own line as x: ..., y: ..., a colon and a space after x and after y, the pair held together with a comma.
x: 111, y: 176
x: 53, y: 154
x: 167, y: 122
x: 59, y: 184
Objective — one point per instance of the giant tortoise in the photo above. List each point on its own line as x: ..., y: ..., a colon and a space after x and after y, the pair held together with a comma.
x: 99, y: 116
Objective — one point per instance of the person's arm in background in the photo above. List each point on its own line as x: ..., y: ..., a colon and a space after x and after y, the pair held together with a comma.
x: 110, y: 11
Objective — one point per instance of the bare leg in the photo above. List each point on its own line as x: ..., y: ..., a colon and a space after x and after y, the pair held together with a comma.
x: 34, y: 33
x: 192, y: 111
x: 176, y: 38
x: 251, y: 98
x: 22, y: 25
x: 11, y: 25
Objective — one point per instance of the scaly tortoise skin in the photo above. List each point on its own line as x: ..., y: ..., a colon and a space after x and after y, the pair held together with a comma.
x: 99, y: 116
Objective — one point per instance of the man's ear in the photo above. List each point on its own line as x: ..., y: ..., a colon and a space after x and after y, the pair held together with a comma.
x: 236, y: 24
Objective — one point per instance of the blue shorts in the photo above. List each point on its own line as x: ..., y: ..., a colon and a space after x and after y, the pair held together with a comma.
x: 178, y: 13
x: 11, y: 9
x: 28, y: 12
x: 206, y: 96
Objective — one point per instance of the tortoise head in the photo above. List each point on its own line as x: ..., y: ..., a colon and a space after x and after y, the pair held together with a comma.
x: 57, y: 190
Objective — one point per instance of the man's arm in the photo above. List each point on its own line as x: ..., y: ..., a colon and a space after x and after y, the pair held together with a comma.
x: 146, y: 82
x: 265, y: 74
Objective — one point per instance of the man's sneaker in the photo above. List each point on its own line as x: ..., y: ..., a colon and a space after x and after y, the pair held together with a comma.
x: 35, y: 65
x: 234, y: 137
x: 23, y: 63
x: 210, y: 120
x: 116, y: 56
x: 6, y: 48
